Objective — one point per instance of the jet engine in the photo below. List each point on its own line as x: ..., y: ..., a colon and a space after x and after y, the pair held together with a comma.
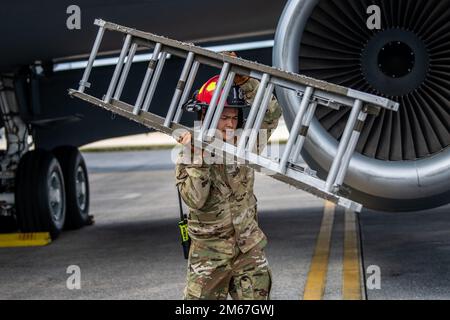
x: 402, y: 161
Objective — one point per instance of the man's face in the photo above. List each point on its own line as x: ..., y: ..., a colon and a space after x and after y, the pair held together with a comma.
x: 228, y: 122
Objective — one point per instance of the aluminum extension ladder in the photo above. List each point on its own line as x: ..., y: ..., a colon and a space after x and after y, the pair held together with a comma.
x: 311, y: 92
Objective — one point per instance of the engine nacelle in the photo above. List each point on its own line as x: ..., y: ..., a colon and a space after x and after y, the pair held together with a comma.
x: 402, y: 161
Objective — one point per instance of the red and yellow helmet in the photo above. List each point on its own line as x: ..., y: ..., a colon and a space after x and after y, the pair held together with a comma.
x: 202, y: 98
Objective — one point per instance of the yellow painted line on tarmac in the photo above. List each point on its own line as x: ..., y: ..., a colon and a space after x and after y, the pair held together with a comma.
x: 9, y: 240
x: 317, y: 276
x: 351, y: 282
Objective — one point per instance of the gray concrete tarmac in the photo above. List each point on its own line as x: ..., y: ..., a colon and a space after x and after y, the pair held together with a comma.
x: 133, y: 250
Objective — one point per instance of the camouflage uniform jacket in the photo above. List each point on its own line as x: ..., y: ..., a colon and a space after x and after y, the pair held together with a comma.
x: 220, y: 196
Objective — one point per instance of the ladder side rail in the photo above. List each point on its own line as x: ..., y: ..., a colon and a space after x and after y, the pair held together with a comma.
x: 330, y: 98
x: 335, y: 100
x: 300, y: 79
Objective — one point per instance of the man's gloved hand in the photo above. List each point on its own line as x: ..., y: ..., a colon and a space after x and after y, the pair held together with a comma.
x: 185, y: 138
x: 238, y: 79
x: 195, y: 154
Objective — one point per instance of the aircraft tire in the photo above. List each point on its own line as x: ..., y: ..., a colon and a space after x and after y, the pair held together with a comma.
x: 39, y: 194
x: 77, y: 186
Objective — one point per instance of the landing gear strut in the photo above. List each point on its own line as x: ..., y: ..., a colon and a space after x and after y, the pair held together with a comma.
x: 40, y: 190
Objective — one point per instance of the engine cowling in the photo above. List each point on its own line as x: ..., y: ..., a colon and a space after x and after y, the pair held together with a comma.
x: 402, y: 161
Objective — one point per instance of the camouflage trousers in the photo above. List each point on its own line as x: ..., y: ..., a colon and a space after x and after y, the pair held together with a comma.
x: 212, y: 274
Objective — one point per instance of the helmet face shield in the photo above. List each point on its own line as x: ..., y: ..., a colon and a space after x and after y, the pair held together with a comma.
x: 193, y: 105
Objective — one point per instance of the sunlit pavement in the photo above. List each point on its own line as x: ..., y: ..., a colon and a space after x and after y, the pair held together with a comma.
x: 133, y: 251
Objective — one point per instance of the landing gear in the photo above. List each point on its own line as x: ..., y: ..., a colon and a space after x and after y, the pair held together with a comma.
x: 40, y: 194
x: 77, y: 186
x: 40, y: 191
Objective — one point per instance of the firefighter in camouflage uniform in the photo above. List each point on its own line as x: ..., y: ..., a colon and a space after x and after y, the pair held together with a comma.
x: 227, y: 246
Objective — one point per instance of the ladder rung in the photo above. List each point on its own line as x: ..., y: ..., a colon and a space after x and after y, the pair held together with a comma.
x: 115, y: 77
x: 187, y: 91
x: 179, y: 90
x: 126, y: 70
x: 351, y: 148
x: 148, y: 75
x: 343, y: 145
x: 154, y: 82
x: 253, y: 112
x: 214, y: 100
x: 303, y: 132
x: 259, y: 118
x: 220, y: 106
x: 306, y: 100
x: 98, y: 40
